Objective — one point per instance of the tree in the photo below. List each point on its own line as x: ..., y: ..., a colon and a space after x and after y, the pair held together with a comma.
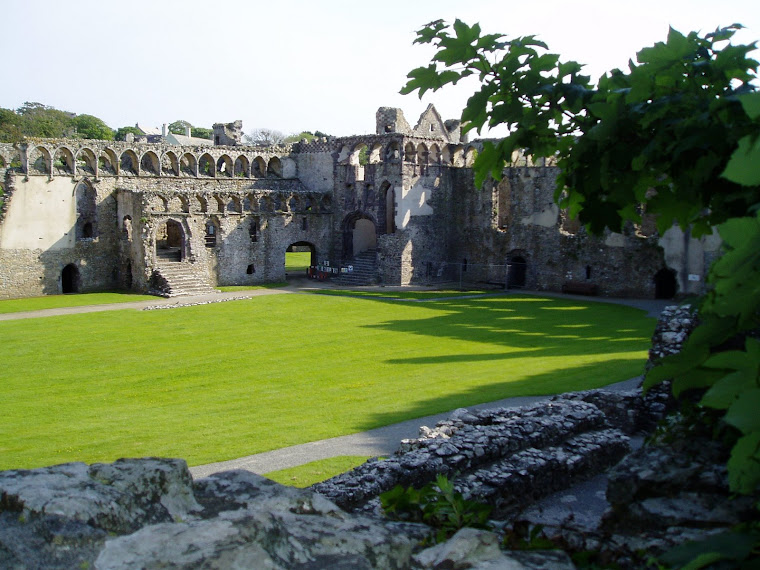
x: 89, y: 127
x: 121, y: 133
x: 265, y: 137
x: 179, y: 127
x: 38, y: 120
x: 676, y: 135
x: 202, y: 133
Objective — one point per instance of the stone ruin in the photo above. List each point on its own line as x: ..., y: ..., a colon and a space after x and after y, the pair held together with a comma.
x: 149, y: 513
x: 396, y: 207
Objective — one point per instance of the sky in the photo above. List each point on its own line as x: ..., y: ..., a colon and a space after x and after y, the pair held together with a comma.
x: 295, y: 65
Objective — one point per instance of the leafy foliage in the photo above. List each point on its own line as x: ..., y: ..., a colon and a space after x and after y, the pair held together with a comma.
x: 38, y: 120
x: 676, y: 136
x: 436, y: 504
x: 121, y: 132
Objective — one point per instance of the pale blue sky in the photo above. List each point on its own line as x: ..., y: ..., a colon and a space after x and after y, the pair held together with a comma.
x: 296, y: 65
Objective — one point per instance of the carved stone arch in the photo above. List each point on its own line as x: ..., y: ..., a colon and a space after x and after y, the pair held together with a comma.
x: 128, y: 163
x: 294, y: 204
x: 258, y: 167
x: 359, y: 233
x: 202, y: 203
x: 392, y: 152
x: 158, y: 204
x: 434, y: 154
x: 149, y: 164
x: 39, y: 160
x: 422, y: 153
x: 107, y: 163
x: 178, y: 203
x: 169, y: 164
x: 359, y: 154
x: 457, y: 156
x: 470, y: 154
x: 376, y: 154
x: 410, y: 153
x: 63, y: 162
x: 86, y: 163
x: 274, y: 168
x: 216, y: 203
x: 344, y: 155
x: 188, y: 165
x: 170, y: 240
x: 206, y: 166
x: 277, y: 202
x: 326, y: 204
x: 234, y: 204
x: 242, y: 168
x: 224, y: 167
x: 250, y: 203
x: 266, y: 204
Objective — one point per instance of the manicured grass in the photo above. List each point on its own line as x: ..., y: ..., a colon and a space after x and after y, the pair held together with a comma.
x: 77, y: 300
x: 407, y: 295
x: 225, y: 380
x: 309, y: 473
x: 297, y: 261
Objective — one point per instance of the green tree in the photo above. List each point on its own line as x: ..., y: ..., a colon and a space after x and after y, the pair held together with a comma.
x: 179, y: 127
x: 202, y: 133
x: 38, y: 120
x: 121, y: 133
x: 677, y: 135
x: 10, y: 126
x: 89, y: 127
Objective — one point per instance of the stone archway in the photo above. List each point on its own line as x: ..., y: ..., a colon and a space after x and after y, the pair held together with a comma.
x: 299, y: 257
x: 71, y: 281
x: 359, y: 234
x: 170, y: 241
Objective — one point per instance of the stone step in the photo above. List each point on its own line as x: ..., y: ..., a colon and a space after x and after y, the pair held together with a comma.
x: 181, y: 280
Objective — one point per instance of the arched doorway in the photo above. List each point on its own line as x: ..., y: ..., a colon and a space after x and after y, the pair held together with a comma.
x: 518, y: 269
x: 665, y: 284
x: 299, y: 256
x: 170, y: 241
x: 359, y: 234
x: 70, y: 280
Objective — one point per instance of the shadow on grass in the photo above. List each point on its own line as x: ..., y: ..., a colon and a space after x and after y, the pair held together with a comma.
x: 585, y: 377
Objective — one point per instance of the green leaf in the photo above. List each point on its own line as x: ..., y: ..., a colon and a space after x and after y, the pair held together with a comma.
x: 744, y: 413
x: 744, y: 464
x: 744, y: 165
x: 751, y: 104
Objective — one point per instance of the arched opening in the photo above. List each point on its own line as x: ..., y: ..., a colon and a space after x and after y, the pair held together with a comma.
x: 169, y: 164
x: 149, y: 164
x: 274, y: 168
x: 359, y: 234
x: 170, y: 241
x: 224, y: 166
x: 71, y: 282
x: 128, y: 163
x: 107, y: 163
x: 212, y: 229
x: 86, y: 162
x: 38, y: 161
x: 410, y: 153
x: 63, y: 161
x: 258, y: 167
x: 242, y: 168
x: 299, y: 256
x: 206, y: 166
x: 518, y: 269
x: 187, y: 166
x: 665, y: 284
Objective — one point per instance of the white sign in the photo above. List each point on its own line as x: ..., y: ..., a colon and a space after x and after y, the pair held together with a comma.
x: 693, y: 277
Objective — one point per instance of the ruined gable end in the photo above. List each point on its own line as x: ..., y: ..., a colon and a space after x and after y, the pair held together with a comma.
x: 431, y: 125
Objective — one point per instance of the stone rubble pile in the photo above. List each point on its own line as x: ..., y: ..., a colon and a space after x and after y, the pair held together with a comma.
x: 507, y: 456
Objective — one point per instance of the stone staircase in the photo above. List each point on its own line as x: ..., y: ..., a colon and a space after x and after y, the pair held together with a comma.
x: 174, y: 278
x: 364, y: 270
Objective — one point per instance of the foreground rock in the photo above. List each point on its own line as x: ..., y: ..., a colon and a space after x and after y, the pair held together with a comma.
x: 147, y: 513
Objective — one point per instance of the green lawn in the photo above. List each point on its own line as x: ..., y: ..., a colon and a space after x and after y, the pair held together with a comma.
x: 297, y: 261
x: 316, y: 471
x: 215, y: 382
x: 58, y: 301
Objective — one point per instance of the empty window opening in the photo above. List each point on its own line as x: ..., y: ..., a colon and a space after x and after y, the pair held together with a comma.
x: 70, y: 279
x: 464, y: 265
x: 588, y: 272
x: 210, y: 234
x: 250, y: 270
x: 299, y: 257
x: 304, y: 224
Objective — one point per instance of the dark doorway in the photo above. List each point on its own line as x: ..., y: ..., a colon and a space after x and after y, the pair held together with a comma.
x: 70, y: 281
x: 665, y: 284
x: 299, y: 257
x: 518, y: 269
